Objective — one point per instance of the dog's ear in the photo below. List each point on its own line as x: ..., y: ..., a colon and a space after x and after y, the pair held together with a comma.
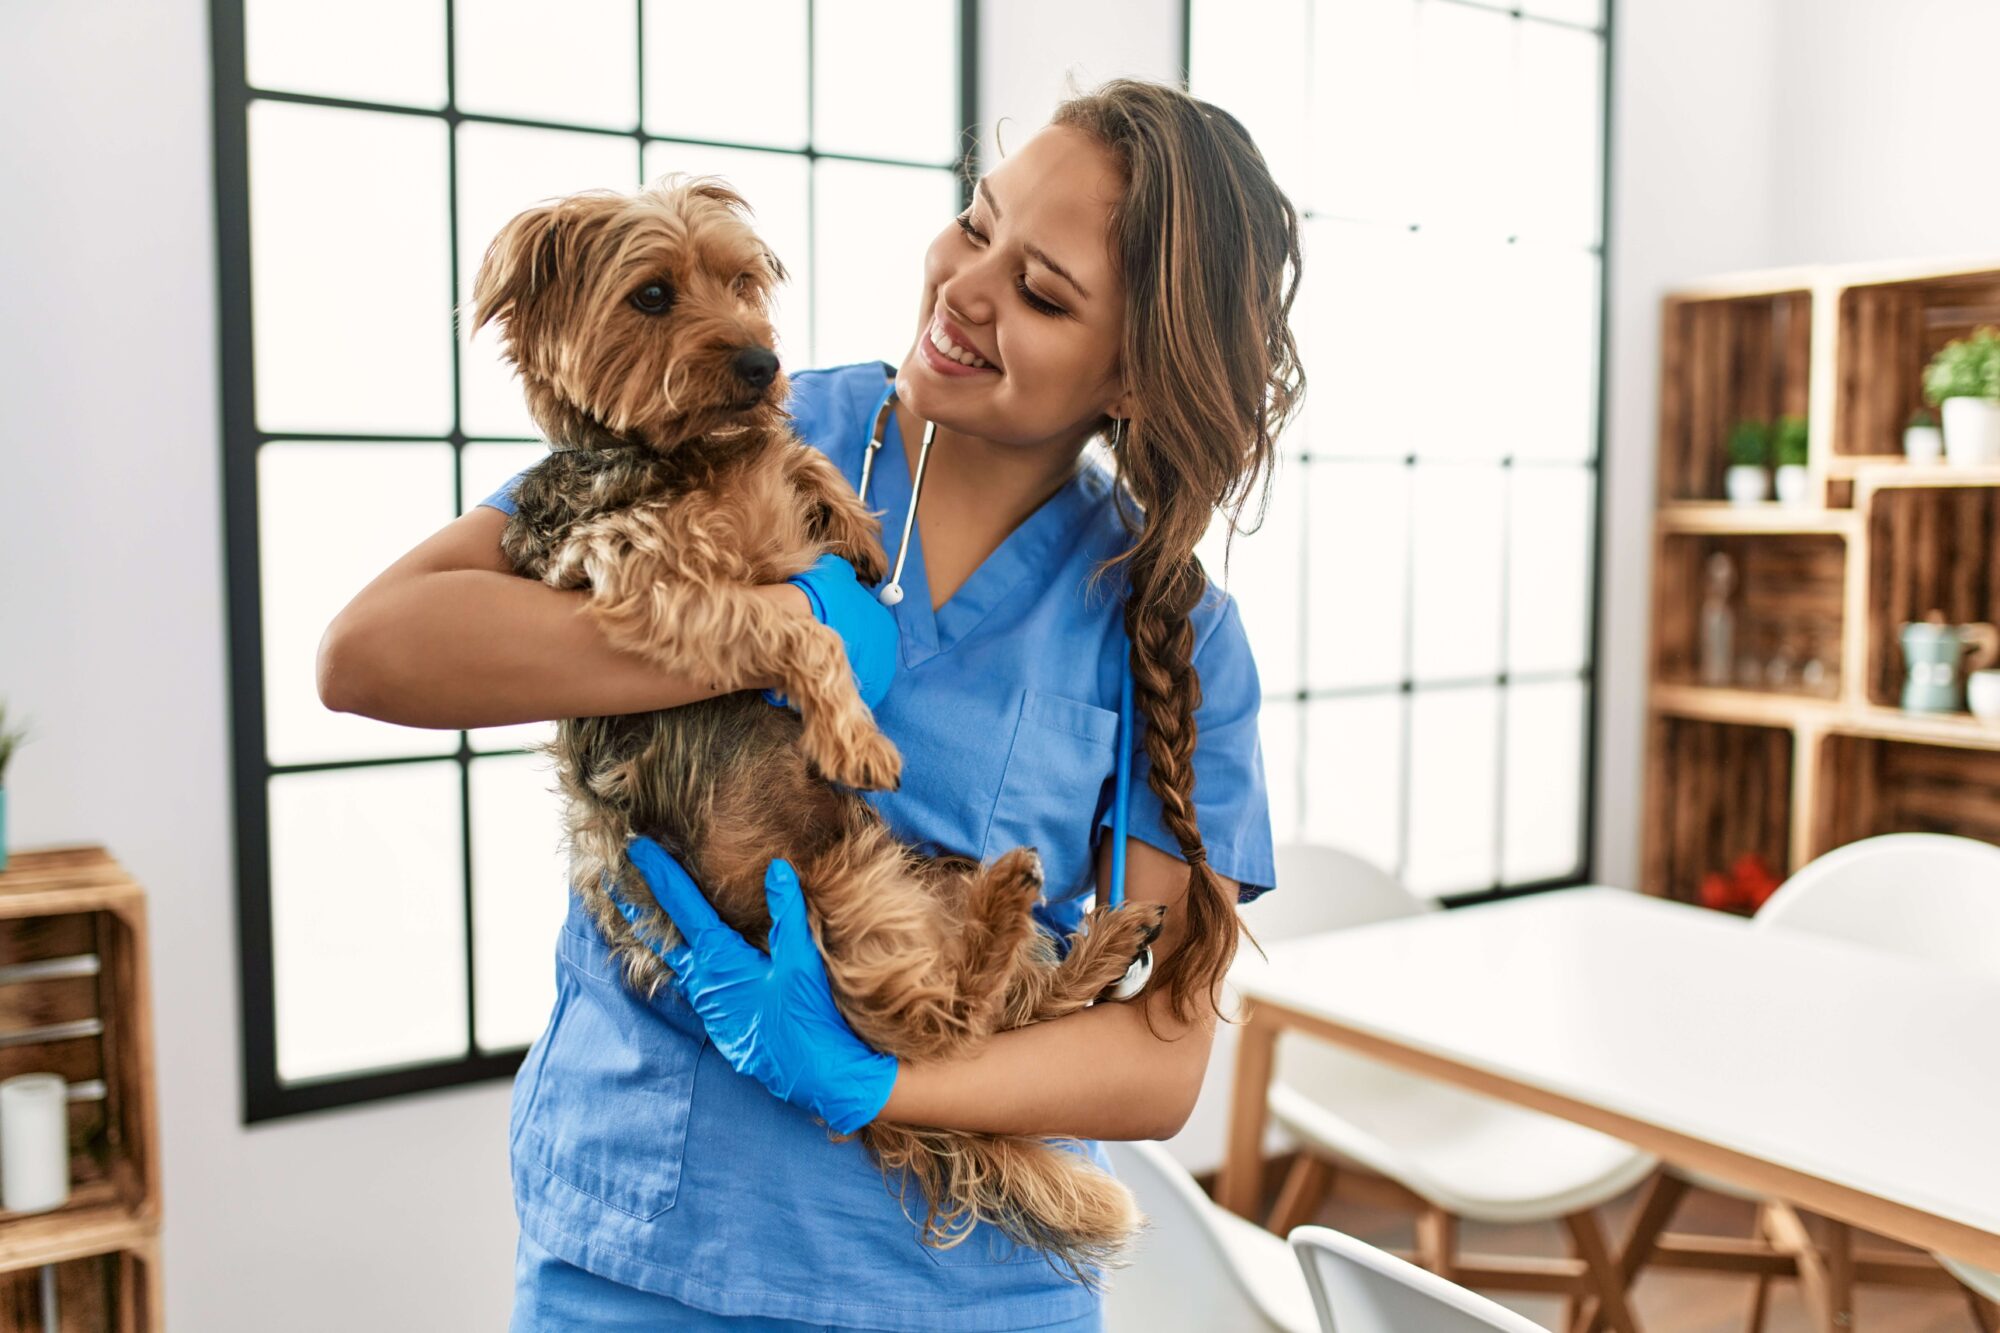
x: 518, y: 263
x: 720, y: 191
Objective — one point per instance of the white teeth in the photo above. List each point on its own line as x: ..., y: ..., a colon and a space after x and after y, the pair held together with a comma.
x: 953, y: 350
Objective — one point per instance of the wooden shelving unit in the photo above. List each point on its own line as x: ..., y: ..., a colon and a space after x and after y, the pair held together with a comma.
x: 76, y: 998
x: 1792, y: 774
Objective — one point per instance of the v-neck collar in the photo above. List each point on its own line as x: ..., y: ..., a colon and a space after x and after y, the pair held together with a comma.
x: 1032, y: 548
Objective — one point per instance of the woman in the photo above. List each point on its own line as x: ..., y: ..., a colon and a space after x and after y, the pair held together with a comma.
x: 1122, y: 275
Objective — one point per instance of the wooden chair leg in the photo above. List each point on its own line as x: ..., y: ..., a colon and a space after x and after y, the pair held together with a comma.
x: 1664, y: 1192
x: 1436, y: 1239
x: 1788, y: 1232
x: 1305, y: 1189
x: 1839, y: 1273
x: 1760, y: 1304
x: 1587, y: 1240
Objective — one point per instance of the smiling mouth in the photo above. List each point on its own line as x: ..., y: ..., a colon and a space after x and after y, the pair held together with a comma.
x: 935, y: 335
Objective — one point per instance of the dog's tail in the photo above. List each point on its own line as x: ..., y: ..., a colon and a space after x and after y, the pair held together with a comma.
x: 1036, y: 1191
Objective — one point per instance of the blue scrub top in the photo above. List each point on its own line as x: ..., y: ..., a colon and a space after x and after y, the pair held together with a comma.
x: 640, y: 1155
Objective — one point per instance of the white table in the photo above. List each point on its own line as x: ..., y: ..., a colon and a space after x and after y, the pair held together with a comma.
x: 1856, y: 1083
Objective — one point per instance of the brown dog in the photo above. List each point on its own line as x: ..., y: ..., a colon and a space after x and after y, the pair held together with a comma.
x: 640, y: 326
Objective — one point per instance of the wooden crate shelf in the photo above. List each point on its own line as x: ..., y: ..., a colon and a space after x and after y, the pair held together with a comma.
x: 1889, y: 330
x: 1726, y: 358
x: 76, y: 998
x: 1714, y: 791
x: 1869, y: 785
x: 1789, y: 593
x: 1788, y: 774
x: 1929, y: 547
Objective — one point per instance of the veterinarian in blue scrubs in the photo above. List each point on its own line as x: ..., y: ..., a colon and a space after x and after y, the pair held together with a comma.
x: 659, y: 1188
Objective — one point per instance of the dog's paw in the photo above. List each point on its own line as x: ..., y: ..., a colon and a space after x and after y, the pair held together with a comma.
x: 870, y: 763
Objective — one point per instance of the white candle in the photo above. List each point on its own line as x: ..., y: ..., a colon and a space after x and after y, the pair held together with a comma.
x: 34, y: 1142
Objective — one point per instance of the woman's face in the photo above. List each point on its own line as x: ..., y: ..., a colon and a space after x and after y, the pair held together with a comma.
x: 1051, y: 342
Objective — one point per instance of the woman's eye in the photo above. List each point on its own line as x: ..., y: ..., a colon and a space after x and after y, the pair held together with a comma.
x: 1020, y: 283
x: 653, y: 298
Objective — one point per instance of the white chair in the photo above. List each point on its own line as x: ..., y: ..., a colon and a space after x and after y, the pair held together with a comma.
x: 1982, y: 1289
x: 1374, y: 1132
x: 1359, y: 1289
x: 1929, y: 895
x: 1197, y: 1266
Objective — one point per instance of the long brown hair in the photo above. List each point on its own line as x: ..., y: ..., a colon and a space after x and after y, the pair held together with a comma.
x: 1202, y: 236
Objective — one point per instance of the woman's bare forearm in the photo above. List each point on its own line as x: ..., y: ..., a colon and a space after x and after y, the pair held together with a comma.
x: 1097, y: 1074
x: 482, y: 648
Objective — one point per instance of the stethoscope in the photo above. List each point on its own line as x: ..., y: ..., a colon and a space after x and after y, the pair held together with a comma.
x: 1135, y: 976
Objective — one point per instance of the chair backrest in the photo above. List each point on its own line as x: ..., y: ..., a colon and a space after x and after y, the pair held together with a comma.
x: 1326, y: 888
x: 1933, y: 896
x: 1359, y: 1289
x: 1180, y: 1274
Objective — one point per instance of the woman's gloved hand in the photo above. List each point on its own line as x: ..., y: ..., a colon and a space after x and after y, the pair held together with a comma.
x: 772, y: 1017
x: 867, y: 628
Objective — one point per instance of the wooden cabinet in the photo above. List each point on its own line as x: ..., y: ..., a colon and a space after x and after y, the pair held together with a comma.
x: 76, y: 998
x: 1789, y: 769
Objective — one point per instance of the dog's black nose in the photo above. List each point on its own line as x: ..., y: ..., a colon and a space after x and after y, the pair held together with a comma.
x: 756, y: 366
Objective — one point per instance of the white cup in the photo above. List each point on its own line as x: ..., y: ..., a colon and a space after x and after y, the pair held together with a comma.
x: 1982, y: 694
x: 34, y: 1142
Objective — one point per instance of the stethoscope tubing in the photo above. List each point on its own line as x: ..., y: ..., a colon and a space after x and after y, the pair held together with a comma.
x: 892, y: 593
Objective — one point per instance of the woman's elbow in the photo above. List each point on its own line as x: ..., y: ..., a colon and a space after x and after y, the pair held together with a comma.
x: 343, y: 670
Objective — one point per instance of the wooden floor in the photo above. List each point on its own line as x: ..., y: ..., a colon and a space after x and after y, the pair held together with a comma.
x: 1670, y: 1300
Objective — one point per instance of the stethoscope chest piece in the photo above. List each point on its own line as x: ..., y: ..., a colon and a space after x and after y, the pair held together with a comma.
x: 892, y: 591
x: 1135, y: 977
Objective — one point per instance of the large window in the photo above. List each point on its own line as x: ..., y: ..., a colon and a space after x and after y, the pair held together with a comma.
x: 1421, y: 596
x: 399, y: 889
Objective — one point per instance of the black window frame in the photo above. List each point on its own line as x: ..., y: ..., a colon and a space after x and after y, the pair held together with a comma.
x: 264, y: 1096
x: 1589, y: 674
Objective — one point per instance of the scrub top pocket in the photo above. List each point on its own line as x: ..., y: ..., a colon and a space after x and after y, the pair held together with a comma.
x: 1062, y: 754
x: 606, y: 1047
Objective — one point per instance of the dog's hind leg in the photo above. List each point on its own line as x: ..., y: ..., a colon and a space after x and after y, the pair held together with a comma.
x: 920, y: 969
x: 1097, y: 959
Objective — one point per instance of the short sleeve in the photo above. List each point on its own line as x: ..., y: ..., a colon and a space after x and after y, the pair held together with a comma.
x: 503, y: 499
x: 1232, y: 806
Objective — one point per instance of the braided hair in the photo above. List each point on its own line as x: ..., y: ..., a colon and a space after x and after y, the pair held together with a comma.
x: 1202, y: 236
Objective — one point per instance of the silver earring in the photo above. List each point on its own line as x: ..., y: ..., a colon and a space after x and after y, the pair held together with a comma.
x: 1117, y: 433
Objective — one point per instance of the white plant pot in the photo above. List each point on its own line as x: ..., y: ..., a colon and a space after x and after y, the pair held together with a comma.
x: 1747, y: 484
x: 1923, y: 444
x: 1971, y: 430
x: 1792, y: 483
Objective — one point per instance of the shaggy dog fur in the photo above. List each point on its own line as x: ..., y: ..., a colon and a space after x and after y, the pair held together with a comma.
x: 640, y: 327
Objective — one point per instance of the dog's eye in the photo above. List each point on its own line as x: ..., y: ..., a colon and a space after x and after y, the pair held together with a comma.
x: 745, y: 284
x: 653, y: 298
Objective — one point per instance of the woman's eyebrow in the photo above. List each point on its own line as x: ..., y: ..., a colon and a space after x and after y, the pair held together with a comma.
x: 1036, y: 251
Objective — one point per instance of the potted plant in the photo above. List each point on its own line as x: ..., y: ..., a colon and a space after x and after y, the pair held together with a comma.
x: 1748, y: 480
x: 1788, y: 451
x: 8, y: 740
x: 1964, y: 380
x: 1923, y: 442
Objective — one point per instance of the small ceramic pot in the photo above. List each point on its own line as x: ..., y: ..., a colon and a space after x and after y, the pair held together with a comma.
x: 1923, y: 444
x: 1792, y: 483
x: 1972, y: 430
x: 1747, y: 484
x: 1982, y: 694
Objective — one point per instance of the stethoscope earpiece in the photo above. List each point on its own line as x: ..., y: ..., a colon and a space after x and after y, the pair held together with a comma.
x: 890, y: 595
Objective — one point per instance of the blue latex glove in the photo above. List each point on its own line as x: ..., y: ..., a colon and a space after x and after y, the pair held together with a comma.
x: 772, y: 1017
x: 867, y: 628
